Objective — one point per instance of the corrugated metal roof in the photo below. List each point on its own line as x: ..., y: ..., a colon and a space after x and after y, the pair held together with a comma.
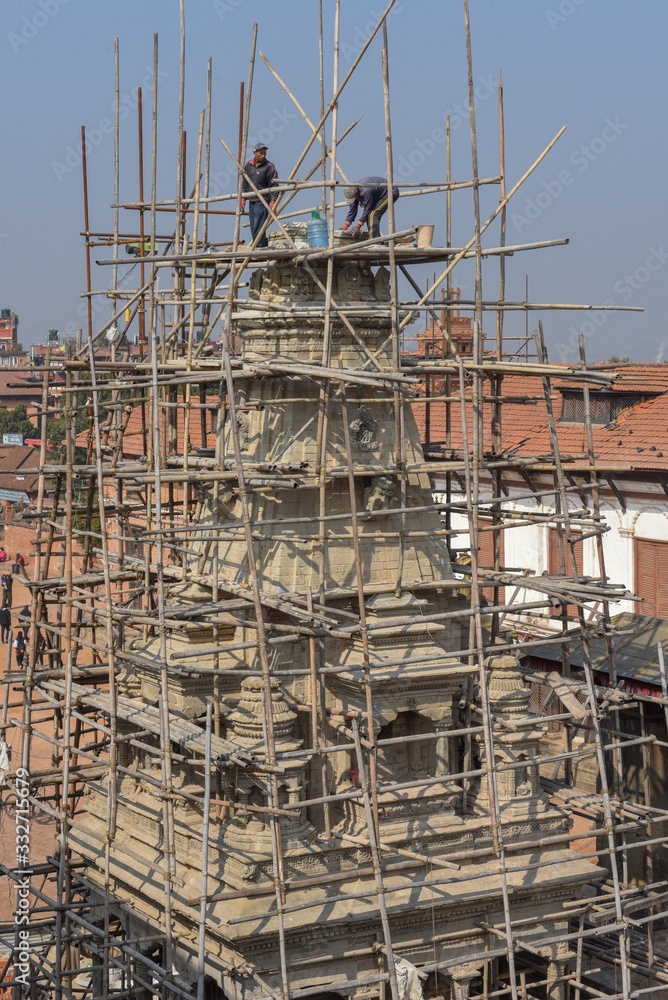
x: 635, y: 648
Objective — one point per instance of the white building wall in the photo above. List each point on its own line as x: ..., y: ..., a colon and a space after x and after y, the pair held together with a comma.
x: 527, y: 547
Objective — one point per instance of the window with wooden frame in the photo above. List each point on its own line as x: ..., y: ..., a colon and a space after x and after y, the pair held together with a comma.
x: 604, y: 407
x: 651, y: 576
x: 554, y: 565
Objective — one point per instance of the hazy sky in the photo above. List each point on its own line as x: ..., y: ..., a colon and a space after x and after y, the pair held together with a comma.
x: 596, y: 66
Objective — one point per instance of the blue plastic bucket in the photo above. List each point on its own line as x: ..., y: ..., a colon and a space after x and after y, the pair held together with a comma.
x: 317, y: 233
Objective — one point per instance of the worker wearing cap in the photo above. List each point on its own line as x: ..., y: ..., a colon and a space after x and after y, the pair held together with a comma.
x: 263, y: 174
x: 371, y: 194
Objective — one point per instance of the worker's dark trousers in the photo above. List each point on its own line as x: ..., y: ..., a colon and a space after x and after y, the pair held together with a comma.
x: 377, y: 214
x: 258, y: 213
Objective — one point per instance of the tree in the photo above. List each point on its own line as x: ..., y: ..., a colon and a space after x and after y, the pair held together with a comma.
x: 16, y: 422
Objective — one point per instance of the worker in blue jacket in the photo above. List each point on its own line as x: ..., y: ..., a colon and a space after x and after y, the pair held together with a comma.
x: 263, y: 174
x: 371, y: 194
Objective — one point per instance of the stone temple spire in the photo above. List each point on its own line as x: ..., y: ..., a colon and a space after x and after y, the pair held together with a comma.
x: 516, y: 741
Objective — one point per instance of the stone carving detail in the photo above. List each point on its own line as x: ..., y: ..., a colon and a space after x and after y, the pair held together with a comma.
x: 382, y: 284
x: 243, y: 425
x: 227, y: 497
x: 250, y: 830
x: 255, y: 285
x: 363, y: 430
x: 300, y: 284
x: 249, y: 873
x: 356, y: 284
x: 271, y: 283
x: 265, y: 284
x: 507, y: 690
x: 222, y: 504
x: 380, y: 495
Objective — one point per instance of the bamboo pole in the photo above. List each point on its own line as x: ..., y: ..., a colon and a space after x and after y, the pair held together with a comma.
x: 168, y: 853
x: 399, y: 428
x: 201, y: 955
x: 317, y: 615
x: 114, y: 273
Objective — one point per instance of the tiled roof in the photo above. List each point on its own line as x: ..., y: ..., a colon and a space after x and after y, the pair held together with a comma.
x: 638, y: 438
x: 9, y: 387
x: 14, y: 458
x: 632, y: 377
x: 133, y: 439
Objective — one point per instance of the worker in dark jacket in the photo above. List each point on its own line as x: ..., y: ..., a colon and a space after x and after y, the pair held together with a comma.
x: 371, y: 194
x: 263, y: 174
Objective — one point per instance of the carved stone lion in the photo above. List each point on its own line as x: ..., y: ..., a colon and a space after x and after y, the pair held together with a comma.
x: 380, y: 495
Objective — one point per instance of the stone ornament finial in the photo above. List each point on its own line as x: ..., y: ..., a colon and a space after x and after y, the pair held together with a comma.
x: 507, y: 691
x: 246, y: 720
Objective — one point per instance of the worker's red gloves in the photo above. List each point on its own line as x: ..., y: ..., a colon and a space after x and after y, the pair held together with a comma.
x: 344, y: 226
x: 358, y: 227
x: 243, y: 204
x: 271, y: 205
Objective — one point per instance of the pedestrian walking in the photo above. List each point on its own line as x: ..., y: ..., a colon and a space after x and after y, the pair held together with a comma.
x: 3, y: 555
x: 19, y: 565
x: 20, y: 648
x: 5, y: 623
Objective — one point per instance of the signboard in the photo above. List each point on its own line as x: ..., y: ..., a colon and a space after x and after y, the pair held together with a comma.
x: 12, y: 438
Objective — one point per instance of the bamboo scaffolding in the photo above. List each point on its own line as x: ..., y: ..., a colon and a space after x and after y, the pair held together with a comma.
x: 123, y: 531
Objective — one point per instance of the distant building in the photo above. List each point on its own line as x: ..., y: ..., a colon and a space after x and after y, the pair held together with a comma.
x: 11, y: 351
x: 629, y: 420
x: 19, y: 481
x: 430, y: 341
x: 9, y: 326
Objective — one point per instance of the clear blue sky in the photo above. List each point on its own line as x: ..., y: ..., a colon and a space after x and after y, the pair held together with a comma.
x: 596, y: 66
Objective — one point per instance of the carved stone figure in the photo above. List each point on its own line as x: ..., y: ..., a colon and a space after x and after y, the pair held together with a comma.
x: 222, y: 504
x: 382, y: 284
x: 356, y: 284
x: 271, y: 283
x: 243, y: 424
x: 363, y: 429
x: 380, y: 495
x: 255, y: 285
x: 300, y: 284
